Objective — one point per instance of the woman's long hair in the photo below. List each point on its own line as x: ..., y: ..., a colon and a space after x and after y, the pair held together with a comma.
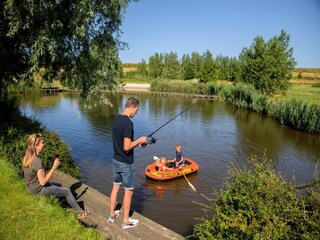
x: 33, y: 140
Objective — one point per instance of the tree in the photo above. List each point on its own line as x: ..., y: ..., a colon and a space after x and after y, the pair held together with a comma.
x: 156, y: 65
x: 208, y: 70
x: 268, y: 65
x: 142, y: 68
x: 78, y: 41
x: 188, y: 69
x: 223, y: 65
x: 235, y: 69
x: 171, y: 68
x: 197, y: 61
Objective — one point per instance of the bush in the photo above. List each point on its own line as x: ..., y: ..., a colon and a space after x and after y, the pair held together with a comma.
x: 14, y: 131
x: 259, y: 204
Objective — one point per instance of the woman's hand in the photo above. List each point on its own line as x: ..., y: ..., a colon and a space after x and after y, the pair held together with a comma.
x: 56, y: 162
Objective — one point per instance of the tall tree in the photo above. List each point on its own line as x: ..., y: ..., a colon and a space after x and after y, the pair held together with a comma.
x: 188, y: 69
x: 235, y: 69
x: 197, y: 61
x: 268, y: 65
x: 75, y: 40
x: 142, y: 68
x: 223, y: 66
x: 171, y: 68
x: 156, y: 65
x: 208, y: 70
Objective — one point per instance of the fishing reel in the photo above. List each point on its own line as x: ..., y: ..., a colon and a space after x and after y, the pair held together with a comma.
x: 151, y: 140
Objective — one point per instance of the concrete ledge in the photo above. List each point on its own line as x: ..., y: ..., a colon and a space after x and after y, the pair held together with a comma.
x: 136, y: 87
x: 98, y: 205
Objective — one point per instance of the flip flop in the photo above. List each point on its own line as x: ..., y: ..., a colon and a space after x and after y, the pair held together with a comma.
x: 116, y: 215
x: 83, y: 214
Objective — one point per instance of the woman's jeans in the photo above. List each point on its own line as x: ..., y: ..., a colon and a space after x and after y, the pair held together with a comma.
x: 61, y: 192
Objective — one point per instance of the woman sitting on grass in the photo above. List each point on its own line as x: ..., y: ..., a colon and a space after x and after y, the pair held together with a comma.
x: 36, y: 178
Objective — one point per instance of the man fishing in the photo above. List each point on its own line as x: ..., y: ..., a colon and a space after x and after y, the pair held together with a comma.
x: 123, y: 161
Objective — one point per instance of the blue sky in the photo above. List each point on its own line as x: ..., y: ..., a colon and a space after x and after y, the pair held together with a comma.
x: 221, y: 26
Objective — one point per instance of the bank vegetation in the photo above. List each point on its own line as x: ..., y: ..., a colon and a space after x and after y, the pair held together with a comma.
x: 257, y: 203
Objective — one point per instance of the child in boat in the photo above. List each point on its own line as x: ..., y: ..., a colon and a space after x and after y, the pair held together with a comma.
x: 161, y: 164
x: 178, y: 161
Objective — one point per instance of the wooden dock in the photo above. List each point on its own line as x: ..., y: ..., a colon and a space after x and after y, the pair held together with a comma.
x: 51, y: 90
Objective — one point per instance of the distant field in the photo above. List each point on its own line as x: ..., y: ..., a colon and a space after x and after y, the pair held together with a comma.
x: 129, y: 67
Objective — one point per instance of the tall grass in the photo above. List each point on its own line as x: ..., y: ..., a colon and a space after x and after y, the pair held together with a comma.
x: 25, y: 216
x: 292, y: 112
x: 298, y: 114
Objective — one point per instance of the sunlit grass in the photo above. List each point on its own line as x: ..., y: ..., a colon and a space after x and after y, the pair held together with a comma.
x: 24, y: 216
x: 305, y: 92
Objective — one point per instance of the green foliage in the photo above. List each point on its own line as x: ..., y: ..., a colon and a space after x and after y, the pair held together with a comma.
x: 197, y: 61
x: 142, y: 68
x: 228, y: 68
x: 258, y: 204
x: 175, y: 86
x: 171, y: 66
x: 14, y: 131
x: 208, y: 71
x: 156, y: 65
x: 268, y: 65
x: 76, y: 42
x: 293, y: 112
x: 297, y: 113
x: 187, y: 68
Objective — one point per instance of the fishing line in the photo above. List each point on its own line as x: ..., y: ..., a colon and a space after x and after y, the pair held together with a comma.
x: 152, y: 140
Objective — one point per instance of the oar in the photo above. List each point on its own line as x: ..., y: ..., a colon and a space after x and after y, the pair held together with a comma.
x: 193, y: 188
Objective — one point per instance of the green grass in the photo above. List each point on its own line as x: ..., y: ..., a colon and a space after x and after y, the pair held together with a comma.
x: 25, y: 216
x: 305, y: 92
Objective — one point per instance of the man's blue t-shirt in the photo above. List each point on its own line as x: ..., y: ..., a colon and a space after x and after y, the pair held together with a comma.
x: 122, y: 127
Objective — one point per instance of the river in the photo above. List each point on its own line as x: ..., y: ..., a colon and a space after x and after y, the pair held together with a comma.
x: 214, y: 134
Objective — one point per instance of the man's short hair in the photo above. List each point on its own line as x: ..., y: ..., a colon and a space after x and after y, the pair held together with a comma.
x: 132, y: 102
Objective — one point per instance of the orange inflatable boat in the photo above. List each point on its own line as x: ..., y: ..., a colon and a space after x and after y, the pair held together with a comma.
x: 153, y: 172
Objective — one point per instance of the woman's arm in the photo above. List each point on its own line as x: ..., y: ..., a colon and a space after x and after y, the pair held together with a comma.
x: 41, y: 173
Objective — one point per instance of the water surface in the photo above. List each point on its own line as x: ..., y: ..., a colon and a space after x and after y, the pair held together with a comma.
x: 214, y: 134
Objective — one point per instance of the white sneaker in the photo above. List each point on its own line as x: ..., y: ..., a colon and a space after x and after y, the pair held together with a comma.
x: 133, y: 223
x: 116, y: 215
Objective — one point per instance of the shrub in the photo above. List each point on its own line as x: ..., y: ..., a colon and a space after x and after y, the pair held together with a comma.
x: 258, y: 204
x: 14, y: 131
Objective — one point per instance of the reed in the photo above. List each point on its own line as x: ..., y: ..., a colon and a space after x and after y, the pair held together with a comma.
x: 296, y: 113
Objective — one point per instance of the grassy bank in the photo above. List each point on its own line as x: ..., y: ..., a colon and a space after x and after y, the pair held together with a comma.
x: 24, y: 216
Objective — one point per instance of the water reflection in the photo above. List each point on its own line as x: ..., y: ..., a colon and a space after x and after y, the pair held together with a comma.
x: 212, y: 133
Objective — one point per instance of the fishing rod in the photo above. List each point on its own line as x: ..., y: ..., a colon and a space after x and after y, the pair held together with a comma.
x: 151, y: 139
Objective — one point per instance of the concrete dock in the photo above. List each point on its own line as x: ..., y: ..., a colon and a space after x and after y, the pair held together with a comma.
x: 98, y: 204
